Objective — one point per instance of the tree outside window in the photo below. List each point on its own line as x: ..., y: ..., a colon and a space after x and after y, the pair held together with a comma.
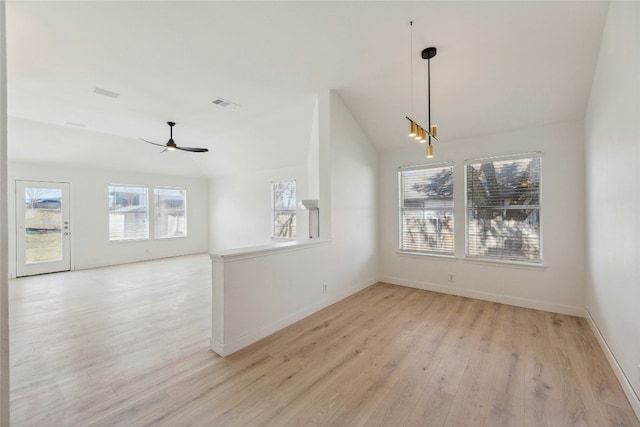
x: 284, y: 209
x: 426, y: 210
x: 503, y: 209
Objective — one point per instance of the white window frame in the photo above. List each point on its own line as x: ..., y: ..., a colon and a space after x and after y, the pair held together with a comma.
x: 156, y: 211
x: 109, y: 213
x: 401, y: 209
x: 274, y: 211
x: 498, y: 258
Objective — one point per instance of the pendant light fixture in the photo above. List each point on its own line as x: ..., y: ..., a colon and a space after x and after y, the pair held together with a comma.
x: 415, y: 130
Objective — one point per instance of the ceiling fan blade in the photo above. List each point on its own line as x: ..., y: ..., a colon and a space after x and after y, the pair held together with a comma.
x: 193, y: 150
x: 159, y: 145
x: 171, y: 145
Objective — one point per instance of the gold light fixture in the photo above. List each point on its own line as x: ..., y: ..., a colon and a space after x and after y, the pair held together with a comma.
x: 415, y: 130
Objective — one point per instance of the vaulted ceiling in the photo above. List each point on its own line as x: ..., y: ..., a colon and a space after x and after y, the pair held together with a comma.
x: 500, y: 66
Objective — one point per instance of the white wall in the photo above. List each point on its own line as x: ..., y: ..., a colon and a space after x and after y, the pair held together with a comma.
x: 559, y: 286
x: 268, y: 291
x: 4, y: 229
x: 240, y: 206
x: 612, y: 130
x: 90, y: 246
x: 354, y: 200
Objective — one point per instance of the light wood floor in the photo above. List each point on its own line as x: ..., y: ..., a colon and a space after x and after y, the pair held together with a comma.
x: 128, y: 345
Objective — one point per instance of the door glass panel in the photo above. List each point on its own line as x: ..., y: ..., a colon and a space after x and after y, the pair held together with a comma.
x: 43, y: 225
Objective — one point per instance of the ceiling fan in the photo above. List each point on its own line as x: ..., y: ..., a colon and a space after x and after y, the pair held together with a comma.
x: 171, y: 145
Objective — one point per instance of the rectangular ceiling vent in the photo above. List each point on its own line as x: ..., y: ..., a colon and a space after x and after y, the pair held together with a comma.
x: 226, y: 103
x: 105, y: 92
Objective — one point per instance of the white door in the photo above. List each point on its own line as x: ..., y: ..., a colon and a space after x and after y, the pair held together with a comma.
x: 43, y: 229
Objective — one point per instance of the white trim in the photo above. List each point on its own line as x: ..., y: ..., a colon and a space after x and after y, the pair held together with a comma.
x: 486, y: 296
x: 633, y: 398
x: 255, y: 336
x: 439, y: 257
x: 231, y: 255
x: 425, y: 166
x: 505, y: 263
x: 517, y: 156
x: 217, y: 348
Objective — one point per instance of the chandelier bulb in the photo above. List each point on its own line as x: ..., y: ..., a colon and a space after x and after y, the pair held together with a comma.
x: 412, y: 128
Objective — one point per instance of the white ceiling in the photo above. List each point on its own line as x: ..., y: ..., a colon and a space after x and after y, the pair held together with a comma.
x: 500, y: 66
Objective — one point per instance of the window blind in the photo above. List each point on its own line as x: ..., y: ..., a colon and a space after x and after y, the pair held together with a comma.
x: 128, y: 213
x: 170, y: 212
x: 426, y: 209
x: 503, y: 212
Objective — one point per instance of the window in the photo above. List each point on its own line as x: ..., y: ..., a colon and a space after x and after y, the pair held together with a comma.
x: 426, y: 209
x: 128, y: 213
x: 503, y: 209
x: 170, y: 212
x: 284, y: 209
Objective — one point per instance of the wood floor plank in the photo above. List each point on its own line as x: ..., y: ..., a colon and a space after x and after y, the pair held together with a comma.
x: 128, y: 345
x: 471, y: 400
x: 431, y: 409
x: 506, y: 395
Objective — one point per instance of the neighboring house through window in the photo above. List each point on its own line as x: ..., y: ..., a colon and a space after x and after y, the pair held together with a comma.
x: 503, y: 212
x: 128, y: 213
x: 426, y: 209
x: 170, y: 212
x: 283, y: 195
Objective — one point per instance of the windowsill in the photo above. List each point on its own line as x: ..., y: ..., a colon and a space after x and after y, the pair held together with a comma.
x: 141, y: 239
x: 506, y: 263
x: 283, y: 239
x: 439, y: 257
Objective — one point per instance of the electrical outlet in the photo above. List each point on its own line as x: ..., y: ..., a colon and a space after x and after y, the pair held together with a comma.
x: 452, y: 277
x: 324, y: 288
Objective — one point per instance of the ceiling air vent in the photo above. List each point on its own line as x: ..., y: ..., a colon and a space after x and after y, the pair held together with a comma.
x: 226, y: 104
x: 105, y: 92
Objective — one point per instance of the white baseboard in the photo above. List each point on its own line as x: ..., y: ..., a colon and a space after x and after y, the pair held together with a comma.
x: 634, y: 400
x: 485, y: 296
x: 225, y: 349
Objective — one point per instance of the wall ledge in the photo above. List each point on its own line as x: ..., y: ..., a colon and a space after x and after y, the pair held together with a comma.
x: 229, y: 255
x: 486, y: 296
x: 633, y: 398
